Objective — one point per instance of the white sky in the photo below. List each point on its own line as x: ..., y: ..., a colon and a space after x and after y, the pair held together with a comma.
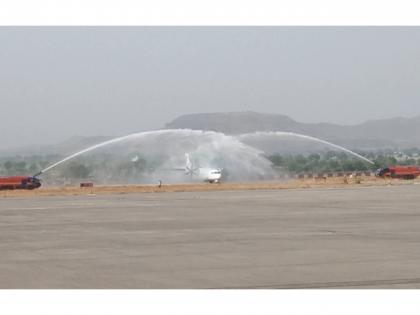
x: 57, y: 82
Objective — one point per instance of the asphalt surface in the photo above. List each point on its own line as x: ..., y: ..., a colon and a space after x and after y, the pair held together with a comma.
x: 314, y: 238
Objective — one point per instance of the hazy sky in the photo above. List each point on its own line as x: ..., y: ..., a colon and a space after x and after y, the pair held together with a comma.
x: 60, y: 82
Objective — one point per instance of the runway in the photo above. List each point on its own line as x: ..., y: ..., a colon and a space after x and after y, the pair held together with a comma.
x: 301, y: 238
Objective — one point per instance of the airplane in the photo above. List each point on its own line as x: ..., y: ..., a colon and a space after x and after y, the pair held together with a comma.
x: 210, y: 175
x: 19, y: 182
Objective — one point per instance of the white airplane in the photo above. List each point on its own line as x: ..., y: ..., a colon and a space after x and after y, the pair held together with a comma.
x: 210, y: 175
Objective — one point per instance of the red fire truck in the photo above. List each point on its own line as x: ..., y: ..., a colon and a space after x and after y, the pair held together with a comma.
x: 404, y: 172
x: 19, y: 182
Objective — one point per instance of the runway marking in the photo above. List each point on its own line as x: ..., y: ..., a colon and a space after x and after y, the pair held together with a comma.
x: 74, y: 207
x: 335, y: 284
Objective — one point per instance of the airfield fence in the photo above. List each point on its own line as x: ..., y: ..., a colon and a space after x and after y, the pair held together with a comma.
x: 325, y: 175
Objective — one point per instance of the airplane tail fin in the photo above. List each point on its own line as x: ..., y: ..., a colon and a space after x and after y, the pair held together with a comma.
x: 188, y: 164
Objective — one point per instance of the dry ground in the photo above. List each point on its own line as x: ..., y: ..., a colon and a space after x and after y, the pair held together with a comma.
x: 335, y: 182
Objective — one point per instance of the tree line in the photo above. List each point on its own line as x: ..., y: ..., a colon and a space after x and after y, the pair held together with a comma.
x: 331, y: 162
x: 124, y: 168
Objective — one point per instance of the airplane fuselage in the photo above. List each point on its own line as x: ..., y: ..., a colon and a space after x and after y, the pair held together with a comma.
x: 210, y: 175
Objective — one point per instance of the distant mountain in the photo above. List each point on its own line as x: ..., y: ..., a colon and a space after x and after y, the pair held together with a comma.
x: 396, y: 133
x: 375, y: 134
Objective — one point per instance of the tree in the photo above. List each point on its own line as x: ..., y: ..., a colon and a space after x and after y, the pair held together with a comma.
x: 33, y: 168
x: 76, y: 170
x: 8, y: 165
x: 314, y: 157
x: 20, y: 167
x: 300, y: 159
x: 276, y: 159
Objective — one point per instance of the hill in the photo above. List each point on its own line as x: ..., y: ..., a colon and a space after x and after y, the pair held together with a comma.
x: 396, y: 133
x: 375, y: 134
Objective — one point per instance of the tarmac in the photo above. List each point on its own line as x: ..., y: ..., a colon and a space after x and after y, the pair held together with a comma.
x: 355, y: 237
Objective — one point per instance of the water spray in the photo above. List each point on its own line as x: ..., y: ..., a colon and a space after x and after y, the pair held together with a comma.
x: 212, y: 149
x: 232, y: 153
x: 283, y: 133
